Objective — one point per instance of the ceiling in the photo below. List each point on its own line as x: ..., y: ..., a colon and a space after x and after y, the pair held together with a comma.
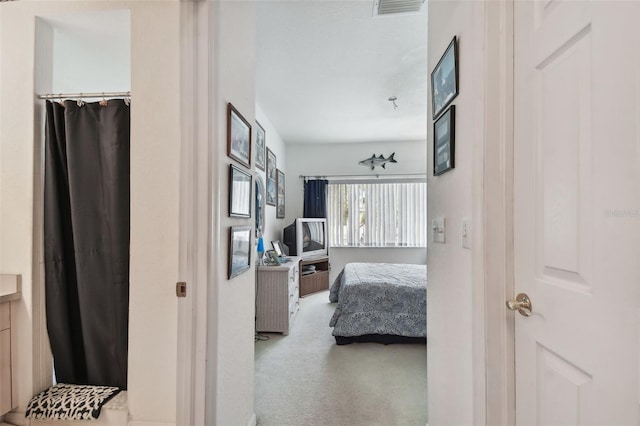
x: 325, y: 71
x: 324, y: 68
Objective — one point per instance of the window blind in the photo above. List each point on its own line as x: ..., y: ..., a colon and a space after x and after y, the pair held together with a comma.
x: 378, y: 214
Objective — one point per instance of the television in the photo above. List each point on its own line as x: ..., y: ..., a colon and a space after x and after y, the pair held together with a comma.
x: 307, y: 237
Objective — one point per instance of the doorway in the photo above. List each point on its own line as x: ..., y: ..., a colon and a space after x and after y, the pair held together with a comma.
x: 339, y: 93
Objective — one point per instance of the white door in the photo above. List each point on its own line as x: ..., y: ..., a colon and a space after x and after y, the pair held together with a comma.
x: 577, y: 213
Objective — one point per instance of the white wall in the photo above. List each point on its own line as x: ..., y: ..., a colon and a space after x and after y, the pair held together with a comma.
x: 342, y: 159
x: 450, y: 315
x: 273, y: 226
x: 91, y: 51
x: 154, y: 213
x: 231, y: 303
x: 155, y: 134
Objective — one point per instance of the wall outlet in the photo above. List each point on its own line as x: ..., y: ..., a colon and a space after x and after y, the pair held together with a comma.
x: 438, y: 230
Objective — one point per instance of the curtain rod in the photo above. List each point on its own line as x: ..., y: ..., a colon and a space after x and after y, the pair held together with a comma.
x: 85, y: 95
x: 415, y: 175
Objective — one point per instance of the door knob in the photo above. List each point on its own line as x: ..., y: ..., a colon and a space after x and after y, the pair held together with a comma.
x: 522, y: 304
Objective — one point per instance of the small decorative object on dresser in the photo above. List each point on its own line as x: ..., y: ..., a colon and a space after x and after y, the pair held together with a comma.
x: 277, y: 247
x: 277, y: 297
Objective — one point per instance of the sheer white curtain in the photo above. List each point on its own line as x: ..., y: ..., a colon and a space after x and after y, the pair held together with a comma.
x: 378, y: 214
x: 343, y: 226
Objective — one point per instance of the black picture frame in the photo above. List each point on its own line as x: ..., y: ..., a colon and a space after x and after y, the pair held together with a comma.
x: 240, y: 184
x: 259, y: 206
x: 444, y: 137
x: 239, y: 250
x: 238, y: 137
x: 280, y: 208
x: 444, y: 79
x: 272, y: 189
x: 261, y: 144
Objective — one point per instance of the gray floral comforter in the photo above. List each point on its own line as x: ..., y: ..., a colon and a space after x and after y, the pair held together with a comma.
x: 380, y: 298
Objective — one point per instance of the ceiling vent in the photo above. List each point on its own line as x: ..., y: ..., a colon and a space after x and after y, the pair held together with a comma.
x: 392, y: 7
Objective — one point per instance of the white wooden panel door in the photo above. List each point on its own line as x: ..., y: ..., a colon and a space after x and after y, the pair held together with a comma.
x: 577, y: 214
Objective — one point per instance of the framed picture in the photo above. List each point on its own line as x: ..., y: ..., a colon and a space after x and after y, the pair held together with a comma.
x: 444, y: 136
x: 260, y: 146
x: 239, y: 192
x: 259, y: 206
x: 277, y: 247
x: 272, y: 191
x: 238, y: 137
x: 239, y: 250
x: 280, y: 202
x: 280, y: 194
x: 444, y: 79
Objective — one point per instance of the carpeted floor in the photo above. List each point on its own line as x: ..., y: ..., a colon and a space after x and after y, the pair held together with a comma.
x: 306, y: 379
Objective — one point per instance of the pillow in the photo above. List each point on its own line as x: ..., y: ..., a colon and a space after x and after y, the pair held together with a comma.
x: 70, y: 402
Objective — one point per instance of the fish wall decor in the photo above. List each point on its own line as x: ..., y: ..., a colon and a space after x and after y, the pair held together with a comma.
x: 374, y: 161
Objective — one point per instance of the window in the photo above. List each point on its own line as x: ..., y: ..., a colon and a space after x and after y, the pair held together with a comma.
x: 377, y: 214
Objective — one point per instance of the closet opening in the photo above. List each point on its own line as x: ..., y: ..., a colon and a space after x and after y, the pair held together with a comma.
x: 82, y: 211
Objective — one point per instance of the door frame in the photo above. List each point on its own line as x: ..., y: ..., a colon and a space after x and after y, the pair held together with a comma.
x: 195, y: 212
x: 492, y: 270
x: 494, y: 337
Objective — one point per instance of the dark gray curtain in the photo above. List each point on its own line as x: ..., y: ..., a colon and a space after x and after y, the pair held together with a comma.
x: 86, y: 241
x: 315, y: 198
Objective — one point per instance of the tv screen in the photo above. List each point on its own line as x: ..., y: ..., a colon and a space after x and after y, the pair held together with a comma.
x: 306, y: 237
x: 312, y: 236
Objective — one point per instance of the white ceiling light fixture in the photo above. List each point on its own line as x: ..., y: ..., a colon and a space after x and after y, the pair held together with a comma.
x: 393, y: 100
x: 391, y: 7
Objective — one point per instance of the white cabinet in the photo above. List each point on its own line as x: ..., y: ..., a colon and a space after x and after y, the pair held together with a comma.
x: 277, y: 299
x: 9, y: 291
x: 5, y: 358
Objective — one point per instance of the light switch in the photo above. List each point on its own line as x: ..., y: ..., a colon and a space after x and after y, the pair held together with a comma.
x: 466, y: 233
x: 438, y: 229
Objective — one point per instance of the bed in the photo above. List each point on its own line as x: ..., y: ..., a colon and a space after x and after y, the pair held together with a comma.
x: 380, y: 302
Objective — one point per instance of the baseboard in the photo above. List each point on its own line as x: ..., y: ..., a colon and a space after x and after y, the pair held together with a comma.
x: 149, y: 423
x: 15, y: 418
x: 253, y: 420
